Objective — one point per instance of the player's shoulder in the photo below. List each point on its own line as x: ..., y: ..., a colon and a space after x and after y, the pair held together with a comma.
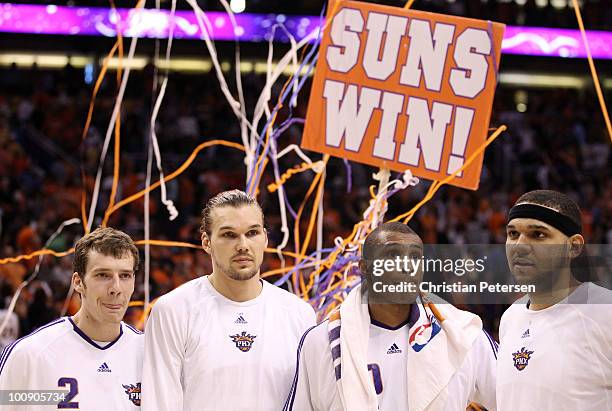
x: 485, y: 344
x: 182, y: 296
x: 596, y: 294
x: 286, y: 299
x: 593, y: 302
x: 316, y: 338
x: 38, y: 340
x: 132, y: 333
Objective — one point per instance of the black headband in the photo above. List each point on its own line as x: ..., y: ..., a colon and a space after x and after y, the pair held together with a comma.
x: 549, y: 216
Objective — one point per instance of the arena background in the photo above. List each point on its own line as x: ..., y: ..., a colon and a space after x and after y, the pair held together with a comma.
x: 556, y: 139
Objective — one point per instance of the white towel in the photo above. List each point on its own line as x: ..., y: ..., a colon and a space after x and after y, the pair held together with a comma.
x: 439, y: 349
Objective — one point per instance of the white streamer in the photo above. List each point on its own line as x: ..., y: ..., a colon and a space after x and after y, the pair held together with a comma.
x: 34, y: 274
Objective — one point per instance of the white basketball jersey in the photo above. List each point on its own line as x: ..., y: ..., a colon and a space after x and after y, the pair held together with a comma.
x: 206, y: 352
x: 315, y: 386
x: 387, y: 359
x: 59, y: 356
x: 558, y: 358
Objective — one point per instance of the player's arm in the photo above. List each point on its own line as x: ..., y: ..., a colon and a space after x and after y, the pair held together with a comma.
x: 484, y: 360
x: 163, y: 357
x: 14, y: 368
x: 314, y: 385
x: 299, y: 395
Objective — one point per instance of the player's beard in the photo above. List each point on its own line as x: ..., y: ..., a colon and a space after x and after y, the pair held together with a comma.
x: 552, y: 260
x: 239, y: 275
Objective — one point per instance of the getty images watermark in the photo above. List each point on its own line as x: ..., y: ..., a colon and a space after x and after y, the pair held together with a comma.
x: 477, y: 273
x: 411, y: 267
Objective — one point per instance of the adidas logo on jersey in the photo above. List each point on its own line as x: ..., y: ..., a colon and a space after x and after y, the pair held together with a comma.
x: 104, y: 368
x: 526, y: 334
x: 394, y: 349
x: 240, y: 320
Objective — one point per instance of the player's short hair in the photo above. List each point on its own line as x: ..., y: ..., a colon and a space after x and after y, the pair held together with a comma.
x: 231, y: 198
x: 562, y: 203
x: 107, y: 241
x: 373, y: 239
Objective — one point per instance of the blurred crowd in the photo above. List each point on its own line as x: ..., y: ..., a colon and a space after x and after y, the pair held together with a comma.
x: 557, y: 140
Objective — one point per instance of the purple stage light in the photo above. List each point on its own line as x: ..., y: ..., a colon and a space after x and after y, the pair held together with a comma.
x: 94, y: 21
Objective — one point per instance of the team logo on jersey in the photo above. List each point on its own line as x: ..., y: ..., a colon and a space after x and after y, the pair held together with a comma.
x: 526, y: 334
x: 423, y: 334
x: 240, y: 319
x: 133, y: 393
x: 521, y: 358
x: 394, y: 349
x: 243, y: 341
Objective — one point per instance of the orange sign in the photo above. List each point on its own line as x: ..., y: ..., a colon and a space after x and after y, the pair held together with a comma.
x: 404, y: 89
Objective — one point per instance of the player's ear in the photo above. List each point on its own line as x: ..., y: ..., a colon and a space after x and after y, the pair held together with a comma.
x: 363, y: 266
x: 206, y: 242
x: 576, y: 245
x: 77, y: 282
x: 265, y: 231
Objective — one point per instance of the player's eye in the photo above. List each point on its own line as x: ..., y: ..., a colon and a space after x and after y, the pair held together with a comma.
x: 539, y: 234
x: 512, y: 234
x: 228, y: 234
x: 126, y: 276
x: 253, y: 233
x: 103, y: 275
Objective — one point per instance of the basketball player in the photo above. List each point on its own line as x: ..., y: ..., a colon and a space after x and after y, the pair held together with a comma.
x: 556, y: 343
x: 225, y: 341
x: 93, y: 357
x: 394, y: 355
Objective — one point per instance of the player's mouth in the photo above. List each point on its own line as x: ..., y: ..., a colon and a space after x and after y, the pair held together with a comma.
x: 242, y: 260
x: 522, y: 263
x: 113, y: 307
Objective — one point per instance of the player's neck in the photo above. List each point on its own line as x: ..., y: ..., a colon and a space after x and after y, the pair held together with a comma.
x: 96, y: 330
x: 564, y: 286
x: 390, y: 315
x: 236, y: 290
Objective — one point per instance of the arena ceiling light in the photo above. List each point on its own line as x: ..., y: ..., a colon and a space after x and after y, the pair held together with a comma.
x: 150, y: 23
x: 543, y: 80
x: 238, y: 6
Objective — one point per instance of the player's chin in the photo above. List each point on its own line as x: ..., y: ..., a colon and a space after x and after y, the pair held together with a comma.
x: 114, y: 315
x: 244, y: 274
x: 524, y: 274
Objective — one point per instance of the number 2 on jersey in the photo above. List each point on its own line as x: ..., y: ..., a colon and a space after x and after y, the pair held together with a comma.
x: 376, y: 377
x: 73, y: 384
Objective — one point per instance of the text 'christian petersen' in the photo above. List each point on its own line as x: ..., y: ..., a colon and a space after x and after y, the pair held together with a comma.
x: 444, y: 287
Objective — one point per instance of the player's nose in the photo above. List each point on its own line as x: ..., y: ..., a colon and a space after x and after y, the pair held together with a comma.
x: 521, y: 246
x: 115, y: 285
x: 241, y: 244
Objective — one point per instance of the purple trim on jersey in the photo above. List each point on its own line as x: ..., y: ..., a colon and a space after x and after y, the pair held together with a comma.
x: 492, y: 342
x: 334, y: 334
x: 412, y: 319
x: 9, y: 348
x: 338, y: 371
x: 92, y: 342
x: 289, y: 403
x: 335, y: 352
x: 136, y: 330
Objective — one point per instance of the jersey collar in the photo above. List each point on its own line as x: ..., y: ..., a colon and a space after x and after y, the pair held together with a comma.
x: 92, y: 342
